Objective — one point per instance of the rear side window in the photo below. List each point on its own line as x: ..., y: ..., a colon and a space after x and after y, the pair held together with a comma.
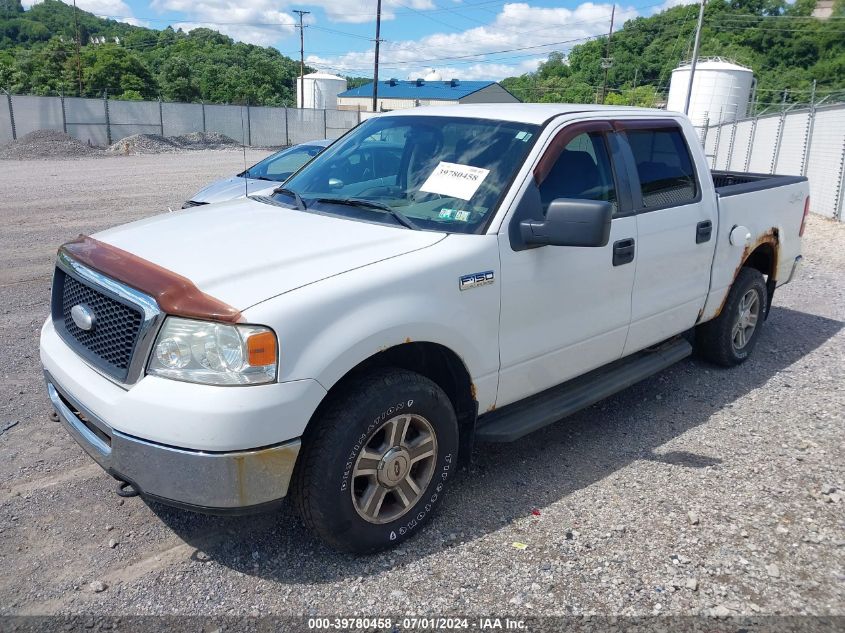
x: 666, y: 172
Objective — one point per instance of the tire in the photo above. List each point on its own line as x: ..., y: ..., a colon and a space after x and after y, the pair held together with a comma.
x: 719, y: 340
x: 355, y: 451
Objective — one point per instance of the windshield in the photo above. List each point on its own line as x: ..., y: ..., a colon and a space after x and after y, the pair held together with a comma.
x: 281, y: 165
x: 440, y: 173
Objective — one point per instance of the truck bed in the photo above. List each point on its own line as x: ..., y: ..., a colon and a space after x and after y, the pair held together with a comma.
x: 732, y: 183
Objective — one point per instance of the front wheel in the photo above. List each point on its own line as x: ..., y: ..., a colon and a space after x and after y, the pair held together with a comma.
x: 729, y: 338
x: 375, y: 463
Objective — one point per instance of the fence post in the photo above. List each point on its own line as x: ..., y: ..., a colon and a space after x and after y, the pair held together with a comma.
x: 160, y: 116
x: 750, y: 144
x: 248, y: 126
x: 202, y: 103
x: 731, y: 146
x: 287, y: 135
x: 808, y: 139
x: 106, y: 111
x: 64, y: 114
x: 840, y: 189
x: 325, y: 124
x: 11, y: 115
x: 778, y: 143
x: 716, y: 148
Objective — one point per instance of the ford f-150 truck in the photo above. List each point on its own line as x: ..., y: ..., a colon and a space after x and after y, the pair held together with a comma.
x: 348, y: 339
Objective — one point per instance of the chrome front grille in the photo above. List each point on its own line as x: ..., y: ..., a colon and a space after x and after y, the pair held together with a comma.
x: 124, y: 320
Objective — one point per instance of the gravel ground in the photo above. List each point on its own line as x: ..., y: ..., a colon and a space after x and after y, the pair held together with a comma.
x: 698, y: 491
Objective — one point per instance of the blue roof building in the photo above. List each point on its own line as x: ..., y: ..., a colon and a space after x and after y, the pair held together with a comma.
x: 394, y: 94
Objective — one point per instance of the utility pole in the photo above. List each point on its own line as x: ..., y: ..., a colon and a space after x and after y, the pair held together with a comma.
x: 301, y: 57
x: 695, y: 54
x: 78, y: 59
x: 606, y: 62
x: 375, y: 67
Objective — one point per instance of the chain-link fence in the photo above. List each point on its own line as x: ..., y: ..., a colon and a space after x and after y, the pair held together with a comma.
x: 801, y: 142
x: 104, y: 121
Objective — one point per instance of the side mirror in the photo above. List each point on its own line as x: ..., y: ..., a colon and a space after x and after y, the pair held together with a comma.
x: 570, y: 222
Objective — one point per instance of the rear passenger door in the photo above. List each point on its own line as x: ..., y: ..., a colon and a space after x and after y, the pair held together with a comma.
x: 676, y: 228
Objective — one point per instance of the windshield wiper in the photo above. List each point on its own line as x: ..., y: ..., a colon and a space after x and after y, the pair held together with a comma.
x: 263, y: 178
x: 300, y: 203
x: 359, y: 202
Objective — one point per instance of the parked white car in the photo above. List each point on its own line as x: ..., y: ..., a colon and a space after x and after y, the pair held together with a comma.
x: 261, y: 178
x: 437, y: 277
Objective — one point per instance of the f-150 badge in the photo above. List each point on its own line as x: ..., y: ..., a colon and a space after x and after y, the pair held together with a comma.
x: 476, y: 280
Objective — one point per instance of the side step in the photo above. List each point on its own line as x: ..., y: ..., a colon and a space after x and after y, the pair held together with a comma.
x: 521, y: 418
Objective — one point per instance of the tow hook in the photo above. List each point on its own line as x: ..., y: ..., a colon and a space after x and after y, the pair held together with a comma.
x: 125, y: 489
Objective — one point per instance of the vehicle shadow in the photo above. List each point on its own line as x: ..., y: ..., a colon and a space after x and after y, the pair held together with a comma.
x: 507, y: 481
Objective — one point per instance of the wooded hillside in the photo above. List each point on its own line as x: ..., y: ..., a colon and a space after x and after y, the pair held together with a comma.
x: 782, y: 43
x: 38, y: 56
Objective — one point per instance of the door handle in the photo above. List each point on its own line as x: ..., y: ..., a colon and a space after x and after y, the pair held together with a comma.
x: 623, y: 251
x: 703, y: 231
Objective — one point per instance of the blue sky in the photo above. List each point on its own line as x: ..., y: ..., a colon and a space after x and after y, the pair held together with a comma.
x: 467, y: 39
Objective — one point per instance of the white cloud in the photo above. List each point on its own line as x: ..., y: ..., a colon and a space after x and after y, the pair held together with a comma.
x: 668, y: 4
x: 525, y: 35
x: 260, y: 22
x: 101, y: 8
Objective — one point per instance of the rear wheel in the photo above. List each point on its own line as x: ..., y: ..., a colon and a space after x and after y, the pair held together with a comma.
x: 729, y: 338
x: 375, y: 463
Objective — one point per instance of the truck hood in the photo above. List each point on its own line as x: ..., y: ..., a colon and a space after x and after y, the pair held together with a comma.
x: 234, y: 187
x: 243, y: 252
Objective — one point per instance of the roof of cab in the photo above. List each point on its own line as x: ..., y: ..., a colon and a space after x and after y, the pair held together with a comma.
x: 535, y: 113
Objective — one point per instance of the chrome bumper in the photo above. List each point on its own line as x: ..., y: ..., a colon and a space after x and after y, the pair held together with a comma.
x: 198, y: 480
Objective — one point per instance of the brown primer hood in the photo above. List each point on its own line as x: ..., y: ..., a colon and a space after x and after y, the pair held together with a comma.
x: 175, y: 294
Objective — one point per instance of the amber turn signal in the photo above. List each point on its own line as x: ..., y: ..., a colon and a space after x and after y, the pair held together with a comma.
x: 261, y: 349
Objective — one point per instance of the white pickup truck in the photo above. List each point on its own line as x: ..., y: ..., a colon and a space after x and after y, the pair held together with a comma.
x: 348, y: 339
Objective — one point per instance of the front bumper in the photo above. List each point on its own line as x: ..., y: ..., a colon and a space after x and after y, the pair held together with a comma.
x: 198, y: 480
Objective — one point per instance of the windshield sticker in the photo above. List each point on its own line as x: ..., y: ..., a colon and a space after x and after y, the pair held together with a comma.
x: 447, y: 214
x: 524, y: 136
x: 457, y: 181
x: 462, y: 216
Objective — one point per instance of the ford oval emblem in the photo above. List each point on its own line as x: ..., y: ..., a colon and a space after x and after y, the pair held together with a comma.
x: 83, y: 316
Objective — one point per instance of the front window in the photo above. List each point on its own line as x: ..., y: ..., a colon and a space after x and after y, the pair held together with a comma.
x: 279, y: 166
x: 423, y: 172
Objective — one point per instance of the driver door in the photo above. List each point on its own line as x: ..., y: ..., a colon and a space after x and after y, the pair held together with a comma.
x: 566, y: 310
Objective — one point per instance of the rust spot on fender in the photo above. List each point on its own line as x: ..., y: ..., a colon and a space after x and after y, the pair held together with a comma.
x: 491, y: 408
x: 408, y: 340
x: 770, y: 237
x: 472, y: 390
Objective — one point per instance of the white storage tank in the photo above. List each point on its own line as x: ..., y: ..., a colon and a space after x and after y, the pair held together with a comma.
x: 721, y: 91
x: 321, y: 90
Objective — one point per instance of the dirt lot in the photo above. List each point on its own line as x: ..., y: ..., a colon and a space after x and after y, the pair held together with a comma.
x: 700, y: 490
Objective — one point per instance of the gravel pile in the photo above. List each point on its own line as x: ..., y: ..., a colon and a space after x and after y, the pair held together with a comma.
x: 156, y: 144
x: 46, y: 144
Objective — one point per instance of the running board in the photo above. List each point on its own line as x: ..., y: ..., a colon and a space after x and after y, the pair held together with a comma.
x: 521, y: 418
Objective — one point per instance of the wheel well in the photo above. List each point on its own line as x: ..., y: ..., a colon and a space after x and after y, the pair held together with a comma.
x: 440, y: 365
x: 762, y: 259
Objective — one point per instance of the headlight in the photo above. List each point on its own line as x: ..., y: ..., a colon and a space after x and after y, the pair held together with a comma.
x: 214, y: 353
